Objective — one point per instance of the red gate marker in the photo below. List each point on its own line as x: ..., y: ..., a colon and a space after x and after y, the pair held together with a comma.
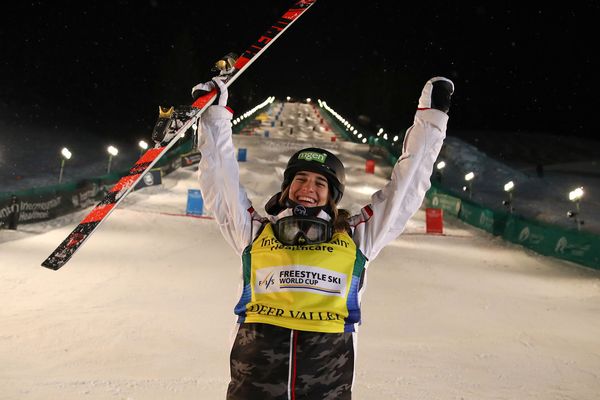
x: 434, y: 220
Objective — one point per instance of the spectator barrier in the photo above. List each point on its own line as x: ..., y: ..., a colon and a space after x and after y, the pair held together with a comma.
x: 44, y: 203
x: 549, y: 240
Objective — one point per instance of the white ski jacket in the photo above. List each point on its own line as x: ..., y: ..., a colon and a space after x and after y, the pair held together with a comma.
x: 377, y: 223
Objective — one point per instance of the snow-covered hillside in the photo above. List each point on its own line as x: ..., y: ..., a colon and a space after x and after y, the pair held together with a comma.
x: 544, y: 198
x: 144, y: 310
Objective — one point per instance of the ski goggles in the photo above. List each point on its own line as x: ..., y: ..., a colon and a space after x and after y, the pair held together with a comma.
x: 300, y: 230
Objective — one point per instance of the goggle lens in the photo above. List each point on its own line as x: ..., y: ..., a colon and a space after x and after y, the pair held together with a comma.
x: 296, y: 230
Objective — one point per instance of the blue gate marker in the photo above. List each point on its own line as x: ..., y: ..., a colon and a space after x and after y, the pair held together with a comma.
x: 241, y: 154
x: 195, y: 203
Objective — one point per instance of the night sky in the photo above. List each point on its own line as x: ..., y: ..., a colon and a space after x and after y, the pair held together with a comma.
x: 103, y: 68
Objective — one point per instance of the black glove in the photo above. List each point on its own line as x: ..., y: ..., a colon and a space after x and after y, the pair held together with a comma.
x: 436, y: 94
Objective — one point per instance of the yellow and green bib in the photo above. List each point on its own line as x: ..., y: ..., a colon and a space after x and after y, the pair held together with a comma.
x: 306, y: 287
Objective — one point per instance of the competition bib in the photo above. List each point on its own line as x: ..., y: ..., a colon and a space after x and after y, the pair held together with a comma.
x: 305, y: 287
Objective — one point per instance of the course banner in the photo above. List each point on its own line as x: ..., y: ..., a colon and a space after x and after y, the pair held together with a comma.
x: 580, y: 247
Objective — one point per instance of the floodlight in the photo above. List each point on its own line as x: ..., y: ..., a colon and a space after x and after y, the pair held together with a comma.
x: 112, y: 150
x: 469, y: 178
x: 438, y: 171
x: 66, y: 153
x: 508, y: 188
x: 576, y: 195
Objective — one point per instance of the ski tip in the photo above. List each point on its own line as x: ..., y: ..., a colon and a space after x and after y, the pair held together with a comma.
x: 52, y: 263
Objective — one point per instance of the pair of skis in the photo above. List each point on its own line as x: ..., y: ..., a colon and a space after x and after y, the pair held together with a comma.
x: 184, y: 121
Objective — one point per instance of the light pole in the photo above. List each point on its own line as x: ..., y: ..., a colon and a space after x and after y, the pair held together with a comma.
x: 438, y: 170
x: 508, y: 188
x: 112, y: 152
x: 143, y: 146
x: 468, y: 187
x: 66, y: 155
x: 575, y: 196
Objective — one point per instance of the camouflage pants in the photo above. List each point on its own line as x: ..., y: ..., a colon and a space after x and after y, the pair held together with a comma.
x: 322, y: 364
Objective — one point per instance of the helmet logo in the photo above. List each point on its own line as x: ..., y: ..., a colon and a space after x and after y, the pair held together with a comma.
x: 312, y: 156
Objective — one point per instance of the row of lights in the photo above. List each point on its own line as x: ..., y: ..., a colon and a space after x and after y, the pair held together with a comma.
x: 249, y: 113
x: 575, y: 195
x: 288, y: 98
x: 381, y: 133
x: 359, y: 136
x: 111, y: 150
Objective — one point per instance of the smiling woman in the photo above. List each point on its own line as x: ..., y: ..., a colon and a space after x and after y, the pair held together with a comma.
x: 303, y: 269
x: 309, y: 189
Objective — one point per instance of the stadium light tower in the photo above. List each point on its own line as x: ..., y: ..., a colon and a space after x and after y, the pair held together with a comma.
x: 65, y: 155
x: 508, y: 188
x: 468, y: 187
x: 112, y: 152
x: 575, y: 196
x: 439, y: 170
x: 143, y: 146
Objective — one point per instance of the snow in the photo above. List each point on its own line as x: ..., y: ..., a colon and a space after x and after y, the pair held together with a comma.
x: 144, y: 310
x: 540, y: 198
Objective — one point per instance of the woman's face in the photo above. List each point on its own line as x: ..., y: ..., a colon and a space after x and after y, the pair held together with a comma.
x: 309, y: 189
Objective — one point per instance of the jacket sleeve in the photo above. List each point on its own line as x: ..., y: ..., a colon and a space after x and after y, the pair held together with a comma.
x: 219, y: 178
x: 391, y: 207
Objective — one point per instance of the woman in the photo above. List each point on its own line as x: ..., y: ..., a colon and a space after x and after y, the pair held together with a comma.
x: 304, y: 264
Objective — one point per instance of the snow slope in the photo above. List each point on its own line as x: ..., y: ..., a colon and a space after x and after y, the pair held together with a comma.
x: 542, y: 198
x: 145, y: 309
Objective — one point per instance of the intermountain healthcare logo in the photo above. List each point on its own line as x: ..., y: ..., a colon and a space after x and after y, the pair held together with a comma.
x: 300, y: 278
x: 526, y: 235
x: 447, y: 203
x: 564, y: 247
